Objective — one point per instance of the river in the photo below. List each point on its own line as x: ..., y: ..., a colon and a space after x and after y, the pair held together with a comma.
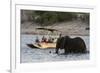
x: 29, y: 55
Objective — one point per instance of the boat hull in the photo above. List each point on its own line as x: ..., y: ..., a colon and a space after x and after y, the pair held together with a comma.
x: 43, y: 45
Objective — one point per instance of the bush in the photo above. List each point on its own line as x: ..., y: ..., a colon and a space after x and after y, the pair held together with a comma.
x: 45, y: 18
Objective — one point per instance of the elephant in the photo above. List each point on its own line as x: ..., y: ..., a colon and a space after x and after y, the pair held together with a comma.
x: 70, y: 45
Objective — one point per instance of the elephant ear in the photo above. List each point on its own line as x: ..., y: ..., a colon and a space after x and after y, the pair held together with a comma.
x: 58, y: 42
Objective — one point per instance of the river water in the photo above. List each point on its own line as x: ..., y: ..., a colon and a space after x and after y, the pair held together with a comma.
x: 29, y: 55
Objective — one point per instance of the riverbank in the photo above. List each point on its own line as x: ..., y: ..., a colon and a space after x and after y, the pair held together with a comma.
x: 67, y: 28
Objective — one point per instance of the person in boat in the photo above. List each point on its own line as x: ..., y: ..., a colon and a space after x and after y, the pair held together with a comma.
x: 50, y: 40
x: 37, y: 40
x: 44, y: 39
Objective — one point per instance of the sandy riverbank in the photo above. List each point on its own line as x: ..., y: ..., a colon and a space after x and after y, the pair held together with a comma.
x: 67, y: 28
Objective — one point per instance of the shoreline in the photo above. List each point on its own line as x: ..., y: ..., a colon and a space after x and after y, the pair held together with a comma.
x: 55, y: 35
x: 65, y: 28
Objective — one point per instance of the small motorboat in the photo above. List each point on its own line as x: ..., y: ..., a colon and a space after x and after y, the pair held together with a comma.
x: 42, y: 45
x: 45, y: 45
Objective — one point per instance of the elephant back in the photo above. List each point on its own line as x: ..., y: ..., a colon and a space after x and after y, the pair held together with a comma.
x: 75, y: 45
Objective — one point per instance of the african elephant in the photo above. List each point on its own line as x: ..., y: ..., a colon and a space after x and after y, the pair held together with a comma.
x: 70, y: 45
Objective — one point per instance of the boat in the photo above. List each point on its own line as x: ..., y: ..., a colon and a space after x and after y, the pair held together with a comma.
x: 44, y: 45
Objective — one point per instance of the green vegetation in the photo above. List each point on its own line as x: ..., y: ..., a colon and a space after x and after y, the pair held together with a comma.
x: 48, y: 18
x: 45, y: 18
